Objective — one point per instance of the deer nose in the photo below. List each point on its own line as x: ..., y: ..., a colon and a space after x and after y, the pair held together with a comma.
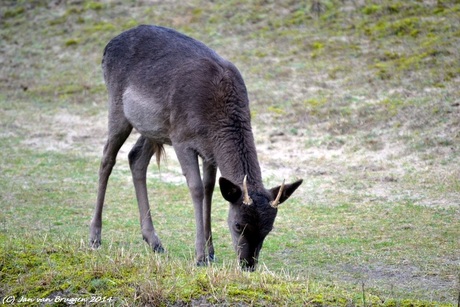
x: 248, y: 265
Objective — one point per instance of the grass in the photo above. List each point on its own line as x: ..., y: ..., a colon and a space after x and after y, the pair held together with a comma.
x: 359, y: 99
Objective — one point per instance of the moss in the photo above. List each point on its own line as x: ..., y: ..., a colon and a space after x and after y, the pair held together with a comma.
x: 201, y: 280
x: 392, y: 106
x: 70, y: 89
x: 383, y: 70
x: 14, y: 12
x: 298, y: 17
x: 74, y: 10
x: 315, y: 103
x: 411, y: 62
x: 407, y: 26
x: 58, y: 21
x: 371, y: 9
x: 393, y: 65
x: 318, y: 48
x: 71, y: 42
x: 277, y: 110
x: 98, y: 285
x: 100, y: 27
x: 260, y: 53
x: 131, y: 23
x: 245, y: 294
x: 318, y: 45
x: 404, y: 27
x: 92, y: 5
x: 196, y: 14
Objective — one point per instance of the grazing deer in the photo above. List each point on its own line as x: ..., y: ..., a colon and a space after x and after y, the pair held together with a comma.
x: 175, y: 90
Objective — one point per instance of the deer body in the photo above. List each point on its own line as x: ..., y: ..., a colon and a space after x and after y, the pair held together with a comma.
x: 174, y: 90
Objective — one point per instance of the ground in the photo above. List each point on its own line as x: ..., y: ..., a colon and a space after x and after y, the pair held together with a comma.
x: 360, y: 99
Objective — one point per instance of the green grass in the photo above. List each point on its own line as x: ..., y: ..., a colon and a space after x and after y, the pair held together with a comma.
x: 360, y: 100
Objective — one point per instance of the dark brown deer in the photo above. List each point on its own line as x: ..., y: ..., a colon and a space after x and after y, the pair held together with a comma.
x: 175, y: 90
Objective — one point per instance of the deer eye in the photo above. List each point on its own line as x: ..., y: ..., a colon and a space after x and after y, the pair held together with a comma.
x: 238, y: 227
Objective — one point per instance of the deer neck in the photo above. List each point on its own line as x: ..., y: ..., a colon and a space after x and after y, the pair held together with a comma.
x: 236, y: 157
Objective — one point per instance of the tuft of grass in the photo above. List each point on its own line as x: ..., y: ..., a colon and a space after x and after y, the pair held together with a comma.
x: 14, y: 12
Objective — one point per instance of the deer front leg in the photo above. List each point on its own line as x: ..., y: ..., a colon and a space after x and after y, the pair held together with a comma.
x: 117, y: 136
x: 209, y: 181
x: 188, y: 160
x: 139, y: 159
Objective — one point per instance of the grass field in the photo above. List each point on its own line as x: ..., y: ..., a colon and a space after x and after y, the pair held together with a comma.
x: 361, y: 99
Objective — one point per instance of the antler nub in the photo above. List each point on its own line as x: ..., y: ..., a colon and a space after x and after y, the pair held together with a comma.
x: 246, y: 199
x: 276, y: 202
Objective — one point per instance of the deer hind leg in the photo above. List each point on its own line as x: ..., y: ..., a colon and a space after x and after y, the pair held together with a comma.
x: 209, y: 181
x: 139, y: 159
x: 118, y: 133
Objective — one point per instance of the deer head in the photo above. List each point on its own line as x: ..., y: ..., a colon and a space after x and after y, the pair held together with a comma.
x: 252, y: 215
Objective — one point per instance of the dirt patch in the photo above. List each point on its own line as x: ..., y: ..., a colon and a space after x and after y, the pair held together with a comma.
x: 65, y: 131
x: 404, y: 277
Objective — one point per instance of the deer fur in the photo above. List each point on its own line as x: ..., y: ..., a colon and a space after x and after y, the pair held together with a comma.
x: 174, y: 90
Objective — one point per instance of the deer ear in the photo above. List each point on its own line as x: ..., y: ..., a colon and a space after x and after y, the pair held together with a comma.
x: 287, y: 190
x: 230, y: 191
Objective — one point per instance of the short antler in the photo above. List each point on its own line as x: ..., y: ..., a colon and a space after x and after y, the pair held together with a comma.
x: 246, y: 199
x: 276, y: 202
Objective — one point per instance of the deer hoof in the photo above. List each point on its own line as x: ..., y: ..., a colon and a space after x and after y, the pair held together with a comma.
x: 94, y: 236
x: 158, y: 248
x: 94, y: 243
x: 207, y: 261
x: 202, y: 263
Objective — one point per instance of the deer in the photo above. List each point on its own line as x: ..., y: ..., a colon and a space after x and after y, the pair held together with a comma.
x: 174, y: 90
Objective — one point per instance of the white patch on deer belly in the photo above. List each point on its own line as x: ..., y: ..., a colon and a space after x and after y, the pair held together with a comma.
x: 147, y: 116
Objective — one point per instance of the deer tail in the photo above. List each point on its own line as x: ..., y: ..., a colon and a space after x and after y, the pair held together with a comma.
x: 159, y: 151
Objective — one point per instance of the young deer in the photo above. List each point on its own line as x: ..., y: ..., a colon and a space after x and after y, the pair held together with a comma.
x: 175, y: 90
